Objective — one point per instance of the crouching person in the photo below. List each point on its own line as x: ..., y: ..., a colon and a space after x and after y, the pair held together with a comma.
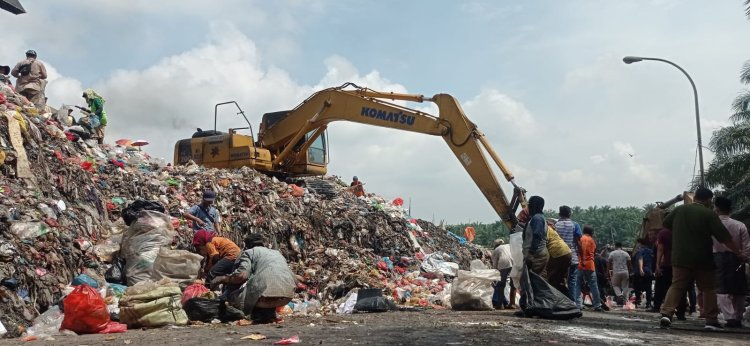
x: 219, y: 253
x: 261, y: 281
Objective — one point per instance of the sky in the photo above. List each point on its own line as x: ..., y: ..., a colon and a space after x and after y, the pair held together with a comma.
x: 544, y: 80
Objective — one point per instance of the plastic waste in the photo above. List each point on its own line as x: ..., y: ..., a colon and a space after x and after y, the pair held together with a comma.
x: 539, y: 298
x: 29, y: 229
x: 47, y: 324
x: 348, y: 306
x: 516, y: 253
x: 83, y: 279
x: 141, y: 244
x: 3, y: 331
x: 116, y: 273
x: 176, y: 265
x: 477, y: 264
x: 472, y: 290
x: 288, y: 341
x: 372, y: 300
x: 131, y: 213
x: 85, y: 311
x: 202, y: 309
x: 193, y: 291
x: 117, y: 289
x: 435, y: 263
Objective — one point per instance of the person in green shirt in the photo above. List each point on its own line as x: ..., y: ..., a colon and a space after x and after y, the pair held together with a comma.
x: 96, y: 108
x: 693, y: 226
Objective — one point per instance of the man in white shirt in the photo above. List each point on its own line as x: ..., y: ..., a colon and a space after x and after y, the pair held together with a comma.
x: 730, y: 269
x: 620, y: 265
x: 502, y: 261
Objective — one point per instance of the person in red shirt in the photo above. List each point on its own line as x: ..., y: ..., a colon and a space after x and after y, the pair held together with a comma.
x: 587, y: 269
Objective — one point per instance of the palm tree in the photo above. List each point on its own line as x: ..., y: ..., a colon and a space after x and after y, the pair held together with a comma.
x: 730, y: 169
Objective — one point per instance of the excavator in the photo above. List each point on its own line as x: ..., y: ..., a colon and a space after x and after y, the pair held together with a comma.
x: 293, y: 143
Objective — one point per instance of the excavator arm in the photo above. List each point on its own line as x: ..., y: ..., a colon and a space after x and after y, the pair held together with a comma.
x: 286, y: 138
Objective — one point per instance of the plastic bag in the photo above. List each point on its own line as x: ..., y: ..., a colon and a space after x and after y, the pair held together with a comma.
x: 436, y: 264
x: 516, y: 253
x: 629, y: 306
x: 347, y: 307
x: 116, y: 273
x: 473, y: 290
x: 141, y: 244
x: 202, y: 309
x: 47, y: 324
x: 83, y: 279
x: 131, y: 213
x: 539, y: 298
x: 85, y: 311
x: 193, y: 291
x: 176, y: 265
x: 114, y: 327
x: 25, y: 230
x: 477, y: 264
x: 372, y: 300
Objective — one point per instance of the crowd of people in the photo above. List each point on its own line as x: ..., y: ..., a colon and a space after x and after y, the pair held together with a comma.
x: 31, y: 86
x: 700, y: 246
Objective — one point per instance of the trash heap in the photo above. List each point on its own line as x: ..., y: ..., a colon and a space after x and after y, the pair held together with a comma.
x: 62, y: 197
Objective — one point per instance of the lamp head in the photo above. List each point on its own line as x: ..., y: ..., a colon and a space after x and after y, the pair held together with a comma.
x: 631, y: 59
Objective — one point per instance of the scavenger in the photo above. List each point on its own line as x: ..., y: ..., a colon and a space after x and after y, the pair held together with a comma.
x: 31, y: 79
x: 219, y: 253
x: 97, y: 115
x: 269, y: 281
x: 204, y: 215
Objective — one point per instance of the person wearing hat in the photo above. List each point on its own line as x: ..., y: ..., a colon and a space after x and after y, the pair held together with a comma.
x: 269, y: 281
x: 219, y: 253
x: 31, y: 79
x: 95, y: 105
x: 204, y: 215
x: 357, y: 187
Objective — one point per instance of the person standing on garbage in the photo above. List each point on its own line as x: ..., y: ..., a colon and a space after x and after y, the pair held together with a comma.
x: 270, y: 282
x: 219, y: 253
x: 560, y: 256
x: 357, y: 187
x: 31, y: 79
x: 693, y: 227
x: 96, y: 112
x: 732, y: 288
x: 619, y: 264
x: 204, y: 215
x: 4, y: 76
x: 587, y: 269
x: 503, y: 262
x: 535, y: 252
x: 570, y: 232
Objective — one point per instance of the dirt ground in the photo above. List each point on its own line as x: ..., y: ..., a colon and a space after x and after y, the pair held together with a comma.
x: 430, y: 327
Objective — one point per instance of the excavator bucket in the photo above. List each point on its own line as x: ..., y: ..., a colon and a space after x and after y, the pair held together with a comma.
x: 12, y: 6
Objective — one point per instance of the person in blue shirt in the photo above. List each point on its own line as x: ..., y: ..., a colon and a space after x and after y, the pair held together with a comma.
x: 204, y: 215
x: 644, y: 276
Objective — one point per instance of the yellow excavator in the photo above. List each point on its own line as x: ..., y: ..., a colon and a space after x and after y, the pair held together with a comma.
x: 293, y: 143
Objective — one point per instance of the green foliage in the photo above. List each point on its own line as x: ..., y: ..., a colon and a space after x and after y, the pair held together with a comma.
x: 485, y: 233
x: 729, y: 171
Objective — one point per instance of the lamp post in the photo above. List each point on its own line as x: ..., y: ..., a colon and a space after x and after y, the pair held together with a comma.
x: 632, y: 59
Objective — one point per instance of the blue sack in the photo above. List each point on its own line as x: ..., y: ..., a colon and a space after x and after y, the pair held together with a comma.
x: 83, y: 279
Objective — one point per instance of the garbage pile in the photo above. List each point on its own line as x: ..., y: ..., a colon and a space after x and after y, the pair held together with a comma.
x: 63, y: 199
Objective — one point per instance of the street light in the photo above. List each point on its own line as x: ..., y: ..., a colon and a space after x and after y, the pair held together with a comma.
x: 632, y: 59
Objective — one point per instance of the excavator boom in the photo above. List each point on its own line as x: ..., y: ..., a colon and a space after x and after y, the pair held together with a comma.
x: 370, y: 107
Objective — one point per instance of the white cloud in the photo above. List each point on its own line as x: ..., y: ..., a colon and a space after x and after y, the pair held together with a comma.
x: 597, y: 159
x: 499, y: 114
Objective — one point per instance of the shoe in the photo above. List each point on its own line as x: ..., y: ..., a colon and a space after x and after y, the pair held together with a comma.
x: 734, y: 324
x: 681, y: 317
x: 665, y: 322
x: 508, y: 307
x: 713, y: 326
x: 599, y: 309
x: 605, y: 308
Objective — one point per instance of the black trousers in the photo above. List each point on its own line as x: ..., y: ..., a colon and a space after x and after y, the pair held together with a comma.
x: 222, y: 267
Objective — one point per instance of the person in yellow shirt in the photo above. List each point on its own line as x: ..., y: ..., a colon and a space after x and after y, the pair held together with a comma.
x: 560, y: 256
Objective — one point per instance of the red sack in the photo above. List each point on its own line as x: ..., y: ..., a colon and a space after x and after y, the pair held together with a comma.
x: 192, y: 291
x: 85, y: 311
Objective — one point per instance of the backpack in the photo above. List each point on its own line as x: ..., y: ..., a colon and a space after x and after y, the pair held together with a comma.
x: 25, y: 69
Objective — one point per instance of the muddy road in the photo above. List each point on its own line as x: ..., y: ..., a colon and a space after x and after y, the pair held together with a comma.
x: 432, y: 327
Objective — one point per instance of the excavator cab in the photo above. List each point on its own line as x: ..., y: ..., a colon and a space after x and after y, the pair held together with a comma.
x: 310, y: 152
